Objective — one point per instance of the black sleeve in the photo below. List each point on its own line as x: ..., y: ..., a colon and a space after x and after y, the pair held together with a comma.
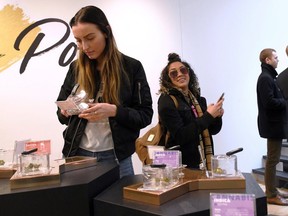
x: 185, y: 128
x: 65, y: 91
x: 135, y: 111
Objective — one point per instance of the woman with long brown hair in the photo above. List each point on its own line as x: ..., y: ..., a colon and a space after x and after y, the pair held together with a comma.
x: 116, y: 91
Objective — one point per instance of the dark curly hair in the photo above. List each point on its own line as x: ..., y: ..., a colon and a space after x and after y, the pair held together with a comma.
x: 166, y: 83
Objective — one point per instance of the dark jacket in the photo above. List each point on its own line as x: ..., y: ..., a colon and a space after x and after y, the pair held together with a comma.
x: 184, y: 127
x: 272, y: 115
x: 282, y: 82
x: 134, y: 113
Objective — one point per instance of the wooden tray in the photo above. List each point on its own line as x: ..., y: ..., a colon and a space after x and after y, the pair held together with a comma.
x: 7, y: 173
x: 19, y: 181
x: 199, y: 181
x: 193, y: 180
x: 155, y: 197
x: 77, y: 162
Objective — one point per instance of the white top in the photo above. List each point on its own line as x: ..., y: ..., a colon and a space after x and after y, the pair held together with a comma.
x: 97, y: 136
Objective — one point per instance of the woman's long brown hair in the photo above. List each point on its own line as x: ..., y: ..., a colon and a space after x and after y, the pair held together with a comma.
x: 110, y: 72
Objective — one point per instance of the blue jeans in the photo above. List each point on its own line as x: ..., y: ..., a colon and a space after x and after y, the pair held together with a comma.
x: 125, y: 166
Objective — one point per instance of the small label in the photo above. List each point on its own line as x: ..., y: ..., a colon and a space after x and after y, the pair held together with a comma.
x: 151, y: 137
x: 170, y: 158
x: 43, y: 146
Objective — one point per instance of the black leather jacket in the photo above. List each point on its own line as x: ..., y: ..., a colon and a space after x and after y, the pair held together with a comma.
x: 185, y: 127
x: 134, y: 113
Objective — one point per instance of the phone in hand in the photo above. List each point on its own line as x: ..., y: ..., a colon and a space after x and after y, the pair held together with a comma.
x: 222, y: 95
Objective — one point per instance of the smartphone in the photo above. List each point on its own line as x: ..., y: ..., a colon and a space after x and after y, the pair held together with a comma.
x: 221, y: 97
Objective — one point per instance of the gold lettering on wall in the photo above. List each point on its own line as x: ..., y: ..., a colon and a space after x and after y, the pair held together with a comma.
x: 12, y: 22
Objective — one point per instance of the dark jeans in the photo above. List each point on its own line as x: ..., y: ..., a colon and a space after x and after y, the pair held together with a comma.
x: 273, y: 157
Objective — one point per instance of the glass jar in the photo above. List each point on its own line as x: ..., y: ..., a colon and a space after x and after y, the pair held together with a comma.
x: 224, y: 166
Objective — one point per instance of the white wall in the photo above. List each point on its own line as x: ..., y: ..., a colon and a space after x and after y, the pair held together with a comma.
x: 221, y: 39
x: 142, y: 30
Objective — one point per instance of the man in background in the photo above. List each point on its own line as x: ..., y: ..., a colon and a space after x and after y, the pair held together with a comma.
x: 272, y: 122
x: 282, y: 80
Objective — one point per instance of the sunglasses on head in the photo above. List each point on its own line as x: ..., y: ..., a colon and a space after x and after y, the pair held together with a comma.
x: 174, y: 73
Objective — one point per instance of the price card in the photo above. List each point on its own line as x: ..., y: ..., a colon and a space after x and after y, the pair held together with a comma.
x: 232, y: 204
x: 43, y: 146
x: 170, y: 158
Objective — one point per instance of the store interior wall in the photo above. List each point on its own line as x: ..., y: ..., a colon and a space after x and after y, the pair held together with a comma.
x: 220, y: 39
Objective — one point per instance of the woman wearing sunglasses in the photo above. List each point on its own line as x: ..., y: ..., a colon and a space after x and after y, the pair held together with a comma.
x: 192, y: 123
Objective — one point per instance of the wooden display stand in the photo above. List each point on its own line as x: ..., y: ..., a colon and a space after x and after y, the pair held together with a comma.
x: 53, y: 177
x: 155, y: 197
x: 7, y: 173
x: 193, y: 180
x: 76, y: 162
x: 19, y: 181
x: 198, y: 181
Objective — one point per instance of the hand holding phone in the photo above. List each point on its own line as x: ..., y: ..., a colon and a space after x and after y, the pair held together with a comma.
x: 222, y: 95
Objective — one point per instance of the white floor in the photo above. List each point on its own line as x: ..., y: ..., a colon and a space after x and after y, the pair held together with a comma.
x: 275, y: 210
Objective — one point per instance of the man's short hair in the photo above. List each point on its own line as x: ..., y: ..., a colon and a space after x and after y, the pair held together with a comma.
x: 265, y: 53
